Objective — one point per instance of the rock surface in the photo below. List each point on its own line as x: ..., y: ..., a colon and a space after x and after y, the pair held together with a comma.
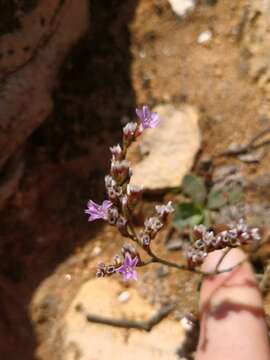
x: 29, y: 64
x: 256, y: 41
x: 85, y: 341
x: 170, y: 149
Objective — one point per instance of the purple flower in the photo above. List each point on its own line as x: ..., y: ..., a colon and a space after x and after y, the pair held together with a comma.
x: 127, y: 269
x: 149, y: 119
x: 96, y: 211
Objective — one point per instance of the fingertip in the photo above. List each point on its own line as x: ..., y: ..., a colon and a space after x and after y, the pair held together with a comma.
x: 234, y: 257
x: 231, y: 311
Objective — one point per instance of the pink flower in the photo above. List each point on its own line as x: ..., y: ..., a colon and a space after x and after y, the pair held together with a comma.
x: 128, y: 268
x: 96, y: 211
x: 149, y: 119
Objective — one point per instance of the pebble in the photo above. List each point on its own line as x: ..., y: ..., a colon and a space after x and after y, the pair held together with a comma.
x: 222, y: 171
x: 204, y: 37
x: 182, y: 7
x: 124, y: 297
x: 96, y: 251
x: 162, y: 271
x: 174, y: 245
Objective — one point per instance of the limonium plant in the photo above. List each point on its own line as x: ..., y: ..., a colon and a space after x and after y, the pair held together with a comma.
x: 122, y: 198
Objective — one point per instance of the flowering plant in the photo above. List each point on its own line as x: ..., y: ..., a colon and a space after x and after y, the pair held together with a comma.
x: 122, y: 199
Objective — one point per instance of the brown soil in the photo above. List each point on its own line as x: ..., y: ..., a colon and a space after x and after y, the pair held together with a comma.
x: 135, y: 52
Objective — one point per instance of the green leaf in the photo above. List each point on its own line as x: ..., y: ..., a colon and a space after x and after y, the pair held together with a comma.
x: 188, y: 215
x: 217, y: 198
x: 206, y: 218
x: 189, y: 222
x: 194, y: 187
x: 187, y: 209
x: 235, y: 194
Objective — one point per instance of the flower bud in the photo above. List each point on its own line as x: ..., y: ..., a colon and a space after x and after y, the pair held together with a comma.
x: 134, y: 194
x: 233, y: 242
x: 199, y: 244
x: 164, y: 210
x: 198, y: 231
x: 129, y: 130
x: 109, y: 182
x: 120, y: 170
x: 110, y: 269
x: 255, y: 234
x: 124, y: 203
x: 113, y: 215
x: 117, y: 153
x: 144, y: 239
x: 101, y: 270
x: 216, y: 243
x: 208, y: 237
x: 130, y: 249
x: 100, y: 273
x: 195, y: 257
x: 153, y: 225
x: 122, y: 225
x: 117, y: 260
x: 112, y: 194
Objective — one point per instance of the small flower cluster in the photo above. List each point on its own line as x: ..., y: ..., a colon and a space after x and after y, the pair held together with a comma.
x: 125, y: 264
x: 206, y: 241
x: 123, y: 197
x: 154, y: 224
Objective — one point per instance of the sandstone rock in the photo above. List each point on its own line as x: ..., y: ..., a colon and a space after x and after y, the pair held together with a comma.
x: 29, y: 63
x: 170, y: 149
x: 255, y: 33
x: 86, y: 341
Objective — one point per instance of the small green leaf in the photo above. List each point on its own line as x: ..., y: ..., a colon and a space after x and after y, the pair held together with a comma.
x: 187, y: 209
x: 206, y: 218
x: 194, y: 187
x: 190, y: 222
x: 216, y: 199
x: 235, y: 194
x: 195, y: 220
x: 187, y: 215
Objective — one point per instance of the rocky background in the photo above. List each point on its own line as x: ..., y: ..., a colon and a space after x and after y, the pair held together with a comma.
x: 71, y: 73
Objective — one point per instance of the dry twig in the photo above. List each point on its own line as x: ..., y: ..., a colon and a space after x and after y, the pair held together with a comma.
x: 126, y: 323
x: 252, y: 145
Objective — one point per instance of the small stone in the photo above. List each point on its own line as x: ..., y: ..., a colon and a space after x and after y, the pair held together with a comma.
x: 142, y: 54
x: 162, y: 271
x: 96, y: 251
x: 187, y: 323
x: 68, y: 277
x: 182, y: 7
x: 254, y: 157
x: 124, y: 296
x: 204, y: 37
x: 174, y: 245
x: 222, y: 171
